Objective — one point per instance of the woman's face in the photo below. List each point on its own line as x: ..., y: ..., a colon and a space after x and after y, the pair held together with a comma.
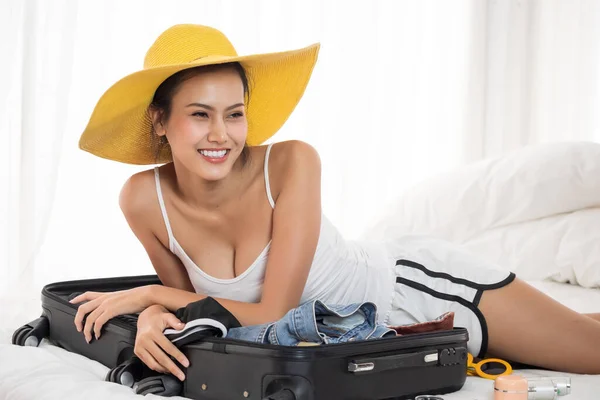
x: 207, y: 127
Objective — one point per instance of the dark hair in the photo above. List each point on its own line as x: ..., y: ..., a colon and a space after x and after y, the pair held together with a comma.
x: 164, y: 95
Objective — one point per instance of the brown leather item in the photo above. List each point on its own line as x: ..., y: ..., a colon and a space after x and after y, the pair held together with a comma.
x: 444, y: 322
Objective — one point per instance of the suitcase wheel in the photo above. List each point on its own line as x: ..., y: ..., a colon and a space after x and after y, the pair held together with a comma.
x: 19, y: 333
x: 284, y: 394
x: 284, y: 387
x: 160, y: 385
x: 32, y: 333
x: 126, y: 373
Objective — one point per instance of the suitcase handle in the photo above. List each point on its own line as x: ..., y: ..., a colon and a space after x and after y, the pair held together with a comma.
x: 450, y: 356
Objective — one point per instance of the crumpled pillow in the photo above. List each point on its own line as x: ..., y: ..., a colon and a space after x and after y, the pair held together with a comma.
x: 472, y: 204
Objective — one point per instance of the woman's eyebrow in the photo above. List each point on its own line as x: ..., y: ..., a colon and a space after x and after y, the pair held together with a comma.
x: 212, y: 108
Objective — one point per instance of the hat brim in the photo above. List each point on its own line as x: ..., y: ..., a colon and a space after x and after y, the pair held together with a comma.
x: 120, y: 129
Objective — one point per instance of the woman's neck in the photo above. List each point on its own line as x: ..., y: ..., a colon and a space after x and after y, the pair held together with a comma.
x: 197, y: 192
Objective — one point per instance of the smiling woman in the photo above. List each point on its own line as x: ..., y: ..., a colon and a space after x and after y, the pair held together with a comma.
x: 252, y: 234
x: 161, y: 105
x: 203, y: 103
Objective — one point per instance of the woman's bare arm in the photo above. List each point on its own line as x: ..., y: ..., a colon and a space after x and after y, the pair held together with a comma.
x: 137, y: 206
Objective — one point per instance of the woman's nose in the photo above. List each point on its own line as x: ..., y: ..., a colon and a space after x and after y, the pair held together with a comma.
x: 218, y: 132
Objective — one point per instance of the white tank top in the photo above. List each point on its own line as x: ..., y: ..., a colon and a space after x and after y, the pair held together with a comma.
x: 342, y: 272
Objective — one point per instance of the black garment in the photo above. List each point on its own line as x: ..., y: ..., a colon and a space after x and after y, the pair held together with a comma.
x: 203, y: 318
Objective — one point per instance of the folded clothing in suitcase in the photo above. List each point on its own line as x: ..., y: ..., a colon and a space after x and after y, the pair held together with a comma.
x: 223, y: 368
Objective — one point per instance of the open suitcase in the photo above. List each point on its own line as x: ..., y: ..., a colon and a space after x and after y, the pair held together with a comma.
x: 220, y: 368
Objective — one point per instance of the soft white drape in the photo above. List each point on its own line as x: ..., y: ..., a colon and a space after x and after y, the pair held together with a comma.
x: 402, y: 91
x: 35, y: 94
x: 540, y: 73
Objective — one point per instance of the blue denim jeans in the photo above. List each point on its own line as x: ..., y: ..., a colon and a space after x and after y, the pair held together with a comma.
x: 317, y: 322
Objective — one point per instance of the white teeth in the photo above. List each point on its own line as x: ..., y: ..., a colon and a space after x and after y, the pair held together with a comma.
x: 213, y: 154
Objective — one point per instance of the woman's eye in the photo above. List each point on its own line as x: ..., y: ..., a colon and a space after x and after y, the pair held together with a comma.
x: 237, y: 115
x: 200, y: 114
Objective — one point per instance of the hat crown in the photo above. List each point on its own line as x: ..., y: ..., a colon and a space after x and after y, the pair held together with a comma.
x: 186, y: 43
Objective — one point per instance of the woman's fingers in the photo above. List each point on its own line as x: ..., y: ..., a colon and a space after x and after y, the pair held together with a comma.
x: 171, y: 349
x: 164, y: 360
x: 83, y: 310
x: 89, y: 323
x: 149, y: 360
x: 99, y: 323
x: 172, y: 321
x: 151, y: 345
x: 85, y: 297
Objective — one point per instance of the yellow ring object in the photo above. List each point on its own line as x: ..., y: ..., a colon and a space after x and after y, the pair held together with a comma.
x: 475, y: 368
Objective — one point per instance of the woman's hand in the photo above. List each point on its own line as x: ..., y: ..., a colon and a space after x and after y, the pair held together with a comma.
x: 151, y: 344
x: 101, y: 307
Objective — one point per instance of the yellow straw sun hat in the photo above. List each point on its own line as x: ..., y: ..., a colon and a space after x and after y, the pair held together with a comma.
x: 120, y: 128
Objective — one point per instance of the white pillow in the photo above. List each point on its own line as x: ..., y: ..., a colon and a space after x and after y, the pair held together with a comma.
x: 530, y: 183
x: 563, y: 248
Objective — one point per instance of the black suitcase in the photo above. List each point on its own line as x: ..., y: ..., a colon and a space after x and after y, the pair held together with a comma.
x: 221, y: 368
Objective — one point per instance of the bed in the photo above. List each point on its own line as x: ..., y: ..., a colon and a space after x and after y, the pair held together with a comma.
x: 49, y: 372
x: 534, y: 211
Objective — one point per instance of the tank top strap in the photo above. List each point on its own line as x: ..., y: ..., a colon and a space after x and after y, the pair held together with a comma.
x: 267, y: 184
x: 162, y: 207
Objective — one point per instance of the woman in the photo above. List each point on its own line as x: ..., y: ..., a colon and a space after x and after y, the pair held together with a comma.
x: 227, y: 217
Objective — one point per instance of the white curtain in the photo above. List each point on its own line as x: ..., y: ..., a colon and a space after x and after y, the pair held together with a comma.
x: 35, y: 100
x: 402, y: 91
x: 539, y: 79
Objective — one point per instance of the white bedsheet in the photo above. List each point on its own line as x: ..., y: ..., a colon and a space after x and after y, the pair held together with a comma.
x: 49, y: 372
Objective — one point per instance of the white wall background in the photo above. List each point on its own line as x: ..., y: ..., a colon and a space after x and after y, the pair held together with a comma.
x: 402, y: 90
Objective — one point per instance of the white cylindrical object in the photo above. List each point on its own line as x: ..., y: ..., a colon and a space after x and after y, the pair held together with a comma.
x: 542, y: 392
x: 548, y: 388
x: 515, y: 387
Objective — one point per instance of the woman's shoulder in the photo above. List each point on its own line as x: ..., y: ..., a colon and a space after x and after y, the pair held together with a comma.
x: 290, y: 162
x: 290, y: 154
x: 137, y: 195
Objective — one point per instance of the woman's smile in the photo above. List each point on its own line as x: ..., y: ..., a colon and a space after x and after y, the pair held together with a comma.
x: 214, y: 156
